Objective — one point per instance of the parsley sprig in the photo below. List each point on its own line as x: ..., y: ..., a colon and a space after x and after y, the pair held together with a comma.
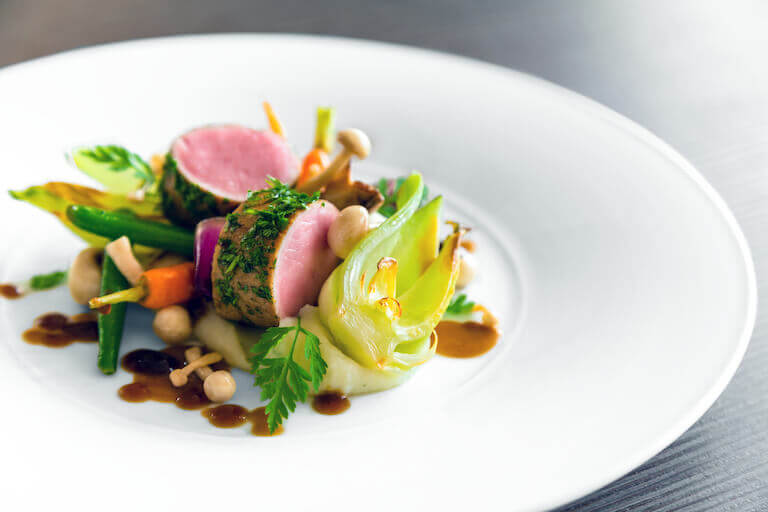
x: 460, y: 305
x: 120, y: 159
x: 282, y: 380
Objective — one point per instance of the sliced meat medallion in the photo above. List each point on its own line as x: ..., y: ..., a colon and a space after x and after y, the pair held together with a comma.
x: 209, y: 170
x: 272, y: 257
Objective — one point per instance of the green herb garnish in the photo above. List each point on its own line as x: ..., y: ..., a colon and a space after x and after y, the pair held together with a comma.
x: 282, y: 380
x: 47, y: 281
x: 389, y: 190
x: 119, y: 159
x: 460, y: 305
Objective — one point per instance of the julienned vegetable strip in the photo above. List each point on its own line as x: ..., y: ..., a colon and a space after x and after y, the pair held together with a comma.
x: 325, y: 129
x: 143, y: 232
x: 318, y: 158
x: 111, y: 323
x: 274, y: 123
x: 157, y: 288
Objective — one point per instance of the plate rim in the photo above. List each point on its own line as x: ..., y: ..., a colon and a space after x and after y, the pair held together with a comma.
x: 587, y: 105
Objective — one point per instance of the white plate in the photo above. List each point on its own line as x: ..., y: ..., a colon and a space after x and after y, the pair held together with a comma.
x: 625, y: 287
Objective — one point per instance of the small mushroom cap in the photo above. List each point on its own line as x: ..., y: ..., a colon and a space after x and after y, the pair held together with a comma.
x: 219, y: 386
x: 355, y: 141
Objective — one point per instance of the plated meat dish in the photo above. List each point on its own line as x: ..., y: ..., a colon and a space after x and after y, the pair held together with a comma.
x: 253, y: 259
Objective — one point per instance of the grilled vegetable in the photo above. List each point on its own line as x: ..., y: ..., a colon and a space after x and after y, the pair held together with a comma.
x: 56, y: 197
x: 386, y: 322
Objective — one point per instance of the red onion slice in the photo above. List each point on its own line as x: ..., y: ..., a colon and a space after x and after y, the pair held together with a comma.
x: 206, y: 238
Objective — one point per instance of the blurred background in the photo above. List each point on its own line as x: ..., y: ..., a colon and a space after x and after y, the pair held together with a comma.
x: 693, y: 72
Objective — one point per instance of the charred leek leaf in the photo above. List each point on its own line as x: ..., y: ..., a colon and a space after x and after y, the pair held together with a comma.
x: 383, y: 302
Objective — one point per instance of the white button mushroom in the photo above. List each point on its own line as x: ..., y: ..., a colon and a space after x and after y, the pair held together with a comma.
x: 467, y: 269
x: 84, y: 279
x: 173, y: 325
x: 347, y: 230
x: 219, y: 386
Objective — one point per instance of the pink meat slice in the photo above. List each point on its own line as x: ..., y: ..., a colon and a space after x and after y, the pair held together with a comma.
x: 304, y: 259
x: 231, y: 160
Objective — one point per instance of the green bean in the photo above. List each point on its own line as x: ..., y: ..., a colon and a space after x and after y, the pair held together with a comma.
x: 111, y: 323
x: 143, y: 232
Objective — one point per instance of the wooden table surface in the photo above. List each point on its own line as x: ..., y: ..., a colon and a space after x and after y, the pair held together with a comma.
x: 693, y: 72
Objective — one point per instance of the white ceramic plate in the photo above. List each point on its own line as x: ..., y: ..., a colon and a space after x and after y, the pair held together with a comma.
x: 625, y: 287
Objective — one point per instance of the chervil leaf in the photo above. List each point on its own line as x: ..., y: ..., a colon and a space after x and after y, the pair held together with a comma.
x: 460, y: 305
x: 317, y: 365
x: 282, y: 380
x: 268, y: 341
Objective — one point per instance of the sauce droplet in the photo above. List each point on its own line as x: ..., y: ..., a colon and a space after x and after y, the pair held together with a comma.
x: 259, y: 427
x: 330, y: 403
x: 465, y: 339
x: 227, y: 415
x: 56, y: 330
x: 9, y: 291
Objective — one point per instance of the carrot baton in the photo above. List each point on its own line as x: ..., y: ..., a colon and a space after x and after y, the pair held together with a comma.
x: 274, y: 123
x: 157, y: 288
x: 319, y: 157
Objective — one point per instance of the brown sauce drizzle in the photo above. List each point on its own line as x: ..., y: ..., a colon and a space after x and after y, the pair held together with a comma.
x: 150, y: 370
x: 465, y: 339
x: 9, y: 291
x: 227, y: 415
x: 231, y: 416
x: 56, y: 330
x: 330, y: 403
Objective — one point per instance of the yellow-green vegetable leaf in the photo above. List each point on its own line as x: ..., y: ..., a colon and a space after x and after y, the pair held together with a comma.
x: 55, y: 197
x: 372, y: 318
x: 118, y: 169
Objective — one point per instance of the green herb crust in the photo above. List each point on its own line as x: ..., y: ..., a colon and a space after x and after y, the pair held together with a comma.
x: 186, y: 203
x: 244, y: 260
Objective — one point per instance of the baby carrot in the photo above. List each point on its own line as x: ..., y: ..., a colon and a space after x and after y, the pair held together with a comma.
x: 318, y: 158
x: 274, y: 123
x: 157, y: 288
x: 314, y: 163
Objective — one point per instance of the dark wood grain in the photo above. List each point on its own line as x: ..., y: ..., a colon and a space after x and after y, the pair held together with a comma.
x: 695, y: 73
